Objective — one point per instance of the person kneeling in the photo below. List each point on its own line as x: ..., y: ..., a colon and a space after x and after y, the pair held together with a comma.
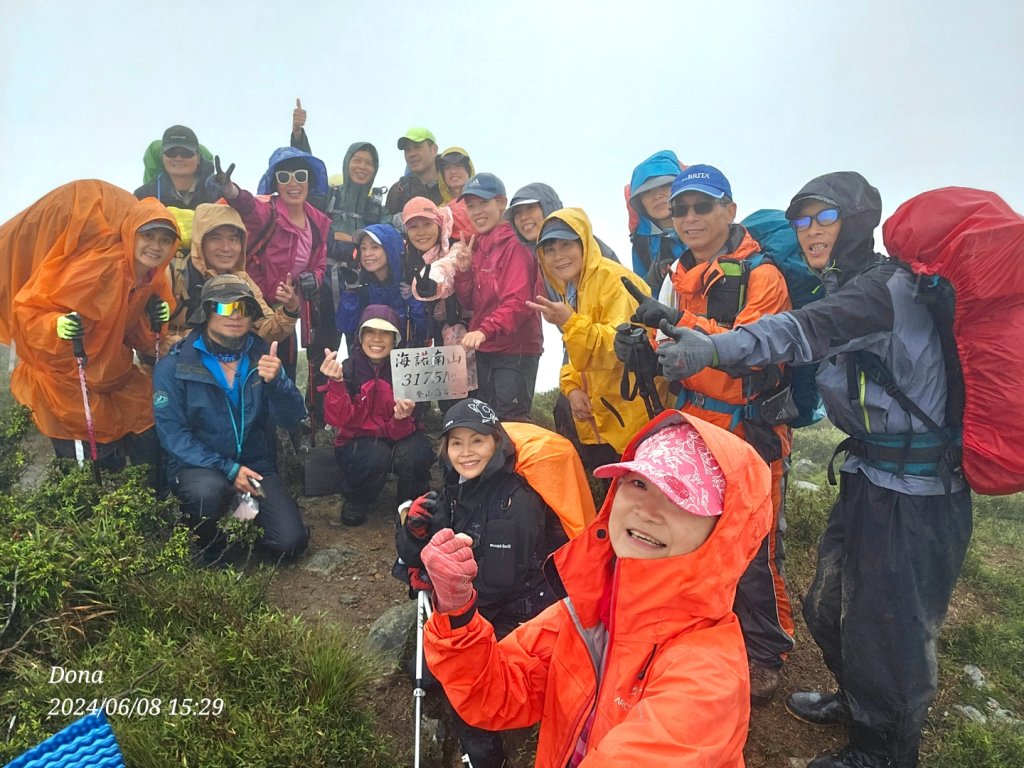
x: 375, y: 435
x: 511, y: 528
x: 216, y: 399
x: 642, y: 662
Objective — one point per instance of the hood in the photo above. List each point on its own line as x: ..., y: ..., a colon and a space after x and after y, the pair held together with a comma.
x: 543, y: 194
x: 210, y: 216
x: 141, y: 213
x: 352, y: 149
x: 580, y: 224
x: 701, y: 584
x: 446, y: 193
x: 318, y: 185
x: 860, y: 210
x: 153, y: 160
x: 444, y: 218
x: 660, y: 165
x: 393, y: 245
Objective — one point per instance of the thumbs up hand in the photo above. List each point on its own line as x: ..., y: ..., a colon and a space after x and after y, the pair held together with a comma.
x: 269, y: 365
x: 298, y: 119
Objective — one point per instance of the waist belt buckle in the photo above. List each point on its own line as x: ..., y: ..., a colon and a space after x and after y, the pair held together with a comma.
x: 697, y: 399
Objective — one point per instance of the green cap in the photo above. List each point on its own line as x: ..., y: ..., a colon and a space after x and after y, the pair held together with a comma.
x: 415, y: 136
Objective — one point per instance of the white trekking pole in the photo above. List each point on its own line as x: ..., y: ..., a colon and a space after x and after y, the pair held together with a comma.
x: 423, y: 611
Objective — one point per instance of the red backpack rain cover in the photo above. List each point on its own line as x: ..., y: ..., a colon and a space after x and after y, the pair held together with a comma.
x: 976, y: 241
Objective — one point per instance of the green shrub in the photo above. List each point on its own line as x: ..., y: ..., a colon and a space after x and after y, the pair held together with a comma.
x: 99, y: 578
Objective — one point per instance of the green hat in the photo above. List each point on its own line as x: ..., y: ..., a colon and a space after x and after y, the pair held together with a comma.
x: 415, y: 136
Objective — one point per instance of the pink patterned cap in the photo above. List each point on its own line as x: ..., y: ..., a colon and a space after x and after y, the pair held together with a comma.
x: 677, y: 460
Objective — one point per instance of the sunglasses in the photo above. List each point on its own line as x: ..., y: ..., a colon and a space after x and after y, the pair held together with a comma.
x: 825, y: 218
x: 179, y: 152
x: 703, y: 208
x: 227, y: 309
x: 453, y: 158
x: 283, y: 177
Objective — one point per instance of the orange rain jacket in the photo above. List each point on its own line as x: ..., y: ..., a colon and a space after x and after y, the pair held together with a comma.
x: 674, y: 689
x: 73, y: 251
x: 274, y: 325
x: 767, y: 295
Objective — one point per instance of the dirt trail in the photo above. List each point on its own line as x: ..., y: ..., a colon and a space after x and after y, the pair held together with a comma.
x: 362, y: 588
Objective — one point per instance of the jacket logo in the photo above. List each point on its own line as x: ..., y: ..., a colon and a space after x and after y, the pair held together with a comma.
x: 623, y: 704
x: 160, y: 399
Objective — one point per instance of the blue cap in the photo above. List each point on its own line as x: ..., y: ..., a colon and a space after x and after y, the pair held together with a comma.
x: 485, y: 185
x: 556, y: 229
x: 702, y: 178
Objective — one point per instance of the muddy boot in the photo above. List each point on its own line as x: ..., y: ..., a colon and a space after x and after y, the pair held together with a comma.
x: 764, y: 682
x: 353, y: 513
x: 850, y: 757
x: 818, y: 708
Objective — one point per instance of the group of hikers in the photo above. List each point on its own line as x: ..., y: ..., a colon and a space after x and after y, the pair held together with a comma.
x: 162, y: 331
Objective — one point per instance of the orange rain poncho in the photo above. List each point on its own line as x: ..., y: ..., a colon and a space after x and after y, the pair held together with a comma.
x: 74, y: 251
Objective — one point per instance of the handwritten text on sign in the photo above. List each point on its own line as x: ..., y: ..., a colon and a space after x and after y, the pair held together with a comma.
x: 429, y: 373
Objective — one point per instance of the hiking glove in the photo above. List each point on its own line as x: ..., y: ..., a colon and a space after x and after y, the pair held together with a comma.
x: 308, y: 285
x: 650, y: 311
x: 627, y: 339
x: 219, y: 182
x: 417, y: 521
x: 349, y: 276
x: 159, y: 312
x: 687, y: 353
x: 449, y: 561
x: 418, y: 579
x: 425, y: 287
x: 69, y: 327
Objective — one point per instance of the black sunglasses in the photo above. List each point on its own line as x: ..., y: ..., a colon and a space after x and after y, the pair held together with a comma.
x: 826, y: 218
x: 179, y: 152
x: 703, y: 208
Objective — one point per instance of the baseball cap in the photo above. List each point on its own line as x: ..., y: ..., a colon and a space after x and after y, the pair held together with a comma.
x: 359, y: 234
x: 677, y: 460
x: 556, y: 229
x: 702, y: 178
x: 223, y: 289
x: 415, y: 135
x: 158, y: 224
x: 179, y: 136
x: 523, y: 201
x: 652, y: 183
x: 797, y: 203
x: 471, y: 413
x: 485, y: 185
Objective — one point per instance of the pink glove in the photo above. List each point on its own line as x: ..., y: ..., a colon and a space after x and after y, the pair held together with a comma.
x: 449, y: 561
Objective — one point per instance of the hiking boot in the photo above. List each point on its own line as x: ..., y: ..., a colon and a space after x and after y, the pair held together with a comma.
x: 353, y: 513
x: 764, y: 682
x: 850, y: 757
x: 818, y: 708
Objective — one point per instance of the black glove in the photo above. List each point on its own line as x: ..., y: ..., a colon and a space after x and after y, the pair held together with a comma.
x: 650, y: 311
x: 349, y: 276
x: 308, y: 285
x: 220, y: 180
x: 417, y: 521
x: 688, y: 353
x: 425, y: 287
x: 158, y: 311
x: 627, y: 337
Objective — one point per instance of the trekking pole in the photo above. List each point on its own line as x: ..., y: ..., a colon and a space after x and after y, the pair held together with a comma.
x: 423, y: 612
x: 78, y: 347
x: 156, y: 325
x: 307, y: 338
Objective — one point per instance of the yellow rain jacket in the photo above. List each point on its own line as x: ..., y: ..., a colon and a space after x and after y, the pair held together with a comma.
x: 274, y: 325
x: 74, y: 251
x: 601, y: 303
